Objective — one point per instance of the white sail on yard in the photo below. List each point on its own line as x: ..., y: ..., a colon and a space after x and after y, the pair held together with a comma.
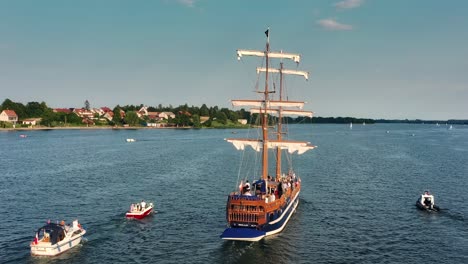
x: 284, y: 71
x: 284, y: 112
x: 260, y: 103
x: 291, y: 146
x: 278, y: 55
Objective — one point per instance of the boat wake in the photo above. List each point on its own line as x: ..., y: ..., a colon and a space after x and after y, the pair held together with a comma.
x: 457, y: 216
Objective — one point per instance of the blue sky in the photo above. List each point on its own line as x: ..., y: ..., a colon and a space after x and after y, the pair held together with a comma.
x: 367, y: 58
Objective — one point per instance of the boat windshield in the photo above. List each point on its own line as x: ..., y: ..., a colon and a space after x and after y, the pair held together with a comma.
x: 55, y: 232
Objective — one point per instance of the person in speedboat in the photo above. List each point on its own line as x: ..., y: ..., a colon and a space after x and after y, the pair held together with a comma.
x: 427, y: 200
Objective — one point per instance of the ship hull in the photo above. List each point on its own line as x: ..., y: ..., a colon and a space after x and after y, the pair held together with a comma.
x: 271, y: 228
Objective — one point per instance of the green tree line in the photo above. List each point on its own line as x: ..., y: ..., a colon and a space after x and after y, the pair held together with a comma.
x: 185, y: 116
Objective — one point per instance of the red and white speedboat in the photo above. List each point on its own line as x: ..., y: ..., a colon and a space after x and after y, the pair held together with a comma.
x: 140, y: 210
x: 53, y: 239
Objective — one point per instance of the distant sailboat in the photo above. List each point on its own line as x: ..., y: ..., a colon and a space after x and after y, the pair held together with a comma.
x: 351, y: 125
x: 450, y: 128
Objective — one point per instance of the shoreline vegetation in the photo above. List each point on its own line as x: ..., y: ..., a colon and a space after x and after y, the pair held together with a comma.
x: 38, y: 116
x: 238, y: 126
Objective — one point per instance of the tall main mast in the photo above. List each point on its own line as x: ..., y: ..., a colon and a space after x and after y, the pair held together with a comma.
x: 280, y: 127
x: 264, y: 115
x: 280, y: 111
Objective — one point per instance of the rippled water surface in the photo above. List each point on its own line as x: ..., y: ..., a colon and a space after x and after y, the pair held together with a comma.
x: 356, y: 204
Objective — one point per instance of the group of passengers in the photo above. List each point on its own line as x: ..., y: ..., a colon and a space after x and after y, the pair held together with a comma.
x: 138, y: 206
x: 275, y: 188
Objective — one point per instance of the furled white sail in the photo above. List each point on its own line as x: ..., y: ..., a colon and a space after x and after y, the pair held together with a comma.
x: 284, y: 112
x: 278, y: 55
x: 284, y: 71
x: 292, y: 146
x: 260, y: 103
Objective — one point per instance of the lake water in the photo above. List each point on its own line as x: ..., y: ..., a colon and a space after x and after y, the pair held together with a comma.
x: 357, y: 203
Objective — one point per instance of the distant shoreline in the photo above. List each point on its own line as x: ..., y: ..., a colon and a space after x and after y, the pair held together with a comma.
x: 86, y: 128
x: 41, y: 128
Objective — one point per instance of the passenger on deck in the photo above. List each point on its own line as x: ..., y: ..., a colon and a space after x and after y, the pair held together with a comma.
x: 46, y: 237
x: 143, y: 205
x: 246, y: 187
x: 280, y: 190
x: 427, y: 201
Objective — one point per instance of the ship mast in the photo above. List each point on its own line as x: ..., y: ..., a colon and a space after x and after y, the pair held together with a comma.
x: 280, y: 127
x: 280, y: 111
x: 264, y: 115
x: 266, y: 106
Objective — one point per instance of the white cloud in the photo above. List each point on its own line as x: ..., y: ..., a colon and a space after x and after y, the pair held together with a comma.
x: 188, y: 3
x: 332, y: 24
x: 348, y: 4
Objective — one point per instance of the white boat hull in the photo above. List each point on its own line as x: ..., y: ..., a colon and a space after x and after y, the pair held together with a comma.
x: 47, y: 249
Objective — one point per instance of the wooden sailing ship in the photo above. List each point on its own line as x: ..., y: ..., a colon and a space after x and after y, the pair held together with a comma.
x: 264, y: 206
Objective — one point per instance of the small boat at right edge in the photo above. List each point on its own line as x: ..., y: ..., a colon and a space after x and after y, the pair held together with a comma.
x: 263, y: 208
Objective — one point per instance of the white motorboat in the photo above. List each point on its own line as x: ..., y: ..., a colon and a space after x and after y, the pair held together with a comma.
x: 53, y: 239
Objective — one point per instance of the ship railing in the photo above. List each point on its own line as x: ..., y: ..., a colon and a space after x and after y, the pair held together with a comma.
x: 271, y: 206
x: 244, y: 197
x: 247, y: 218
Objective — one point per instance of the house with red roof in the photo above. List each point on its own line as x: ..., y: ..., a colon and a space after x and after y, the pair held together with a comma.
x: 151, y: 115
x: 83, y: 113
x: 108, y: 115
x: 166, y: 115
x: 31, y: 121
x: 9, y: 116
x: 106, y: 109
x: 63, y: 110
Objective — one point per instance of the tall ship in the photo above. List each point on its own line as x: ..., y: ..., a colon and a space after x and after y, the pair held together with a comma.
x: 268, y: 190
